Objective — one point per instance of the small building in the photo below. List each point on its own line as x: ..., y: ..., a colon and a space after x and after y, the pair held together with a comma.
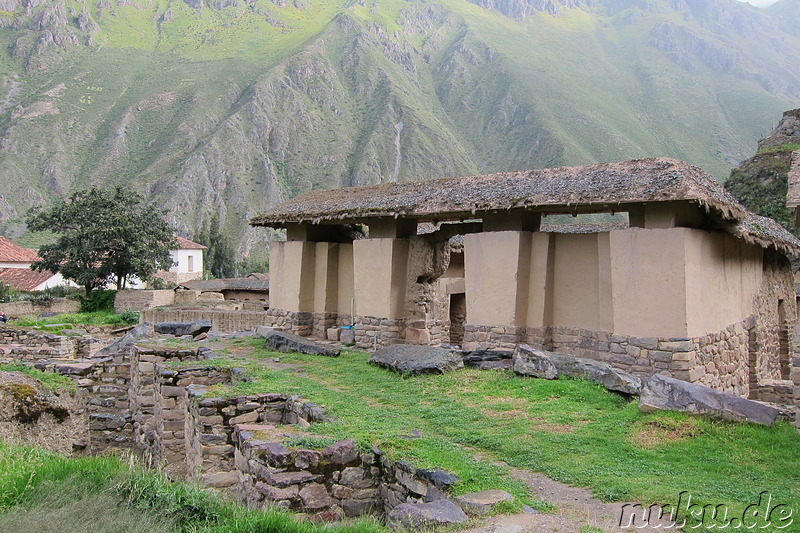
x: 15, y: 269
x: 251, y: 291
x: 690, y: 285
x: 188, y: 259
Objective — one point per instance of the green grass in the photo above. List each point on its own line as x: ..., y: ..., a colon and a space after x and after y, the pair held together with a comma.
x: 790, y: 147
x: 69, y: 320
x: 42, y: 491
x: 572, y: 430
x: 49, y: 380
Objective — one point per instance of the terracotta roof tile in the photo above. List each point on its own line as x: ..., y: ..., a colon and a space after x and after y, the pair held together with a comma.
x: 186, y: 244
x: 10, y: 252
x: 24, y: 279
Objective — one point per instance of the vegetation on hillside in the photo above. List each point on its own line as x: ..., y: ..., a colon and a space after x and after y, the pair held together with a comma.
x: 228, y: 108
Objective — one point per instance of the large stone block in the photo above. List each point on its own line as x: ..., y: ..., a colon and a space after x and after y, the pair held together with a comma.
x: 425, y: 515
x: 180, y: 329
x: 663, y: 393
x: 602, y: 373
x: 281, y: 341
x: 529, y: 361
x: 414, y: 359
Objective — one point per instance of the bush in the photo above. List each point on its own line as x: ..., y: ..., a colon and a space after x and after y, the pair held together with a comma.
x: 129, y: 317
x: 98, y: 300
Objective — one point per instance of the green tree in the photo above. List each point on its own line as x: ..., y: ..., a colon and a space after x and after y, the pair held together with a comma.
x: 218, y: 258
x: 103, y: 235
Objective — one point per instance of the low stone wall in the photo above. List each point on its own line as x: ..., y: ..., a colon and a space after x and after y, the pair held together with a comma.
x: 170, y: 411
x: 26, y: 344
x: 56, y: 305
x: 139, y: 300
x: 210, y: 425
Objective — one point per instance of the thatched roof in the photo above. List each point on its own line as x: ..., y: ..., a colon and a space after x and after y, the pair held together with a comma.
x: 589, y: 188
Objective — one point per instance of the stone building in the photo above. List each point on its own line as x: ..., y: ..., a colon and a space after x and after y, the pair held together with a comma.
x: 688, y: 283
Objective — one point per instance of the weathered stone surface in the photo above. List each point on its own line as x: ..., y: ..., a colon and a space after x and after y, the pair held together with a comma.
x: 440, y: 478
x: 342, y: 452
x: 286, y: 479
x: 307, y: 458
x: 347, y: 337
x: 661, y: 392
x: 220, y: 479
x: 276, y: 455
x: 481, y: 503
x: 102, y: 421
x: 529, y: 361
x: 179, y: 329
x: 415, y: 359
x: 480, y: 357
x: 415, y: 515
x: 142, y: 331
x: 75, y: 369
x: 280, y: 341
x: 275, y: 493
x: 602, y: 373
x: 315, y: 496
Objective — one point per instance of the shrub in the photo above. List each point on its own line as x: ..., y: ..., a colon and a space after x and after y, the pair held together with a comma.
x: 98, y: 300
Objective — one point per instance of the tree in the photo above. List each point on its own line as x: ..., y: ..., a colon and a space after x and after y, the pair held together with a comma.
x: 219, y: 256
x: 103, y: 234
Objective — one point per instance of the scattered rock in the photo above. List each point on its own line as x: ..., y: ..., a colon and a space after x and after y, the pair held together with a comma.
x: 416, y: 359
x: 663, y: 393
x: 347, y: 336
x: 529, y: 361
x: 602, y: 373
x: 440, y: 478
x: 74, y: 332
x: 478, y: 358
x: 425, y: 515
x: 280, y: 341
x: 481, y: 503
x: 142, y: 331
x: 179, y: 329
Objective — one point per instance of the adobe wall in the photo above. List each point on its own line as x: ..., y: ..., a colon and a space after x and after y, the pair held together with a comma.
x: 140, y: 299
x: 56, y: 305
x: 221, y: 320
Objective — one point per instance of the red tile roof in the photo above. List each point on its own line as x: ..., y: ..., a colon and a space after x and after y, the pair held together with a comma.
x: 186, y: 244
x: 24, y: 279
x: 10, y: 252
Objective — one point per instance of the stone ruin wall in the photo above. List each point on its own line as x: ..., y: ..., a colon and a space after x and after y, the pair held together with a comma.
x: 138, y: 401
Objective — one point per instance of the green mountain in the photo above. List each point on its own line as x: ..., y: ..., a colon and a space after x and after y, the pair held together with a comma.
x: 230, y: 106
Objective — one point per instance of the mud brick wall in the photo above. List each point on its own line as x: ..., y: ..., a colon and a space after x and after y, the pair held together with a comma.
x: 142, y: 389
x: 221, y: 320
x: 56, y: 305
x: 170, y: 412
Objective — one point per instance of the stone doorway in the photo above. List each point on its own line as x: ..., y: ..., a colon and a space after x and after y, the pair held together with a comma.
x: 458, y: 316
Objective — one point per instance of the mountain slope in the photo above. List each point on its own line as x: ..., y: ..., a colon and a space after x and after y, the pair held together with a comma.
x: 229, y: 106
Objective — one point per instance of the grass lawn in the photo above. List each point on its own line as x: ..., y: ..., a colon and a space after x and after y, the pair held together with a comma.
x: 572, y: 430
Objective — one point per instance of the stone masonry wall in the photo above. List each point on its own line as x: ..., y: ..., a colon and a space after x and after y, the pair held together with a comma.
x: 142, y: 390
x: 170, y: 411
x: 56, y: 305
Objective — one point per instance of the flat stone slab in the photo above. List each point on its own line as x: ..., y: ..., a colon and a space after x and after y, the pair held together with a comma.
x: 528, y: 361
x: 602, y: 373
x: 417, y: 359
x: 481, y: 503
x: 664, y: 393
x: 74, y: 369
x: 425, y: 515
x: 179, y: 329
x: 281, y: 341
x: 142, y: 331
